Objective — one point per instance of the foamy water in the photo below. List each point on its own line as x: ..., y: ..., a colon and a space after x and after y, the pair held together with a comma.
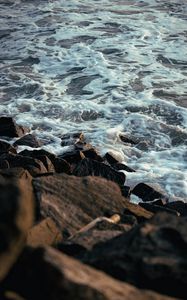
x: 104, y: 67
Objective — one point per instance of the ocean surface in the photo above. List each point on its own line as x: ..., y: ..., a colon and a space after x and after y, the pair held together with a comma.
x: 103, y: 67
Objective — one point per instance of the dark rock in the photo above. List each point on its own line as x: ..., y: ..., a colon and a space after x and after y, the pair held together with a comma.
x: 72, y: 202
x: 15, y: 173
x: 160, y: 202
x: 128, y: 139
x: 88, y: 167
x: 70, y: 139
x: 152, y: 255
x: 6, y: 148
x: 120, y: 166
x: 125, y: 191
x: 45, y: 273
x: 60, y: 165
x: 16, y: 217
x: 83, y: 146
x: 4, y: 164
x: 146, y: 192
x: 72, y: 157
x: 8, y: 127
x: 29, y: 140
x: 157, y: 208
x: 178, y: 206
x: 34, y: 166
x: 92, y: 153
x: 45, y: 233
x: 129, y: 220
x: 110, y: 158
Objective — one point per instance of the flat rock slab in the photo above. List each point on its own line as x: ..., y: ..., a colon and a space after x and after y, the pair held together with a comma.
x: 45, y: 273
x: 73, y: 202
x: 151, y: 256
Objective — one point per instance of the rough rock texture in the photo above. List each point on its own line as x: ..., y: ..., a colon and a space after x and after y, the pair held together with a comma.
x: 146, y: 192
x: 16, y: 217
x: 158, y: 208
x: 178, y: 206
x: 151, y: 256
x: 29, y: 140
x: 72, y: 202
x: 88, y: 167
x: 6, y: 148
x: 8, y: 127
x: 44, y: 233
x: 44, y: 273
x: 70, y: 139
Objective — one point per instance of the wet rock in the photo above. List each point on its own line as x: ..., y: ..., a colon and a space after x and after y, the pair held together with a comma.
x: 6, y: 148
x: 125, y: 191
x: 129, y: 139
x: 60, y: 165
x: 8, y: 127
x: 152, y: 255
x: 16, y: 217
x: 72, y: 157
x: 29, y: 140
x: 70, y: 139
x: 146, y: 192
x: 44, y: 233
x: 178, y: 206
x: 122, y: 167
x: 34, y: 166
x: 92, y: 153
x: 111, y: 159
x: 72, y: 202
x: 88, y: 167
x: 4, y: 164
x: 45, y: 273
x: 157, y: 208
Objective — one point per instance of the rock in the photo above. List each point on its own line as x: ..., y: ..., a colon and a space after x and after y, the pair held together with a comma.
x: 120, y: 166
x: 146, y: 192
x: 178, y: 206
x: 45, y: 273
x: 92, y: 153
x: 16, y: 173
x: 9, y: 295
x: 125, y: 191
x: 6, y: 148
x: 87, y: 167
x: 4, y: 164
x: 16, y: 217
x: 34, y: 166
x: 111, y: 159
x: 8, y: 127
x: 72, y: 157
x: 99, y: 230
x: 44, y: 233
x: 151, y: 256
x: 72, y: 202
x: 29, y: 140
x: 60, y: 165
x: 129, y: 139
x: 70, y: 139
x: 157, y: 208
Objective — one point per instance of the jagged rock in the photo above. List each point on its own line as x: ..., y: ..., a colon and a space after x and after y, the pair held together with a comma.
x: 29, y: 140
x: 129, y: 139
x: 88, y: 167
x: 178, y: 206
x: 116, y: 164
x: 16, y: 217
x: 60, y: 165
x: 34, y: 166
x: 72, y: 157
x: 72, y: 202
x: 45, y: 273
x: 44, y: 233
x: 92, y: 153
x: 125, y: 191
x: 72, y: 138
x: 146, y: 192
x: 4, y: 164
x: 16, y: 173
x: 122, y: 167
x: 111, y: 159
x: 6, y: 148
x: 152, y: 255
x: 8, y: 127
x: 157, y: 208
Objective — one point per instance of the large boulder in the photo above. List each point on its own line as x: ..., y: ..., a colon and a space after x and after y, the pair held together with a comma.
x: 72, y: 202
x: 45, y: 273
x: 151, y: 256
x: 16, y: 217
x: 28, y: 140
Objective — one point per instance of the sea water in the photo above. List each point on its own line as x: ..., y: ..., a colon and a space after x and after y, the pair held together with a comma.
x: 104, y: 67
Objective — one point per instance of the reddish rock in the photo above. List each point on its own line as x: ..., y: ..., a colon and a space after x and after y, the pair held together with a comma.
x: 128, y: 139
x: 45, y: 233
x: 151, y: 256
x: 72, y: 202
x: 146, y: 192
x: 6, y: 148
x: 72, y: 157
x: 8, y: 127
x: 45, y: 273
x: 29, y: 140
x: 16, y: 217
x: 88, y: 167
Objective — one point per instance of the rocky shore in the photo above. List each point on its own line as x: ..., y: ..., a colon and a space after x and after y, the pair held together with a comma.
x: 68, y: 228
